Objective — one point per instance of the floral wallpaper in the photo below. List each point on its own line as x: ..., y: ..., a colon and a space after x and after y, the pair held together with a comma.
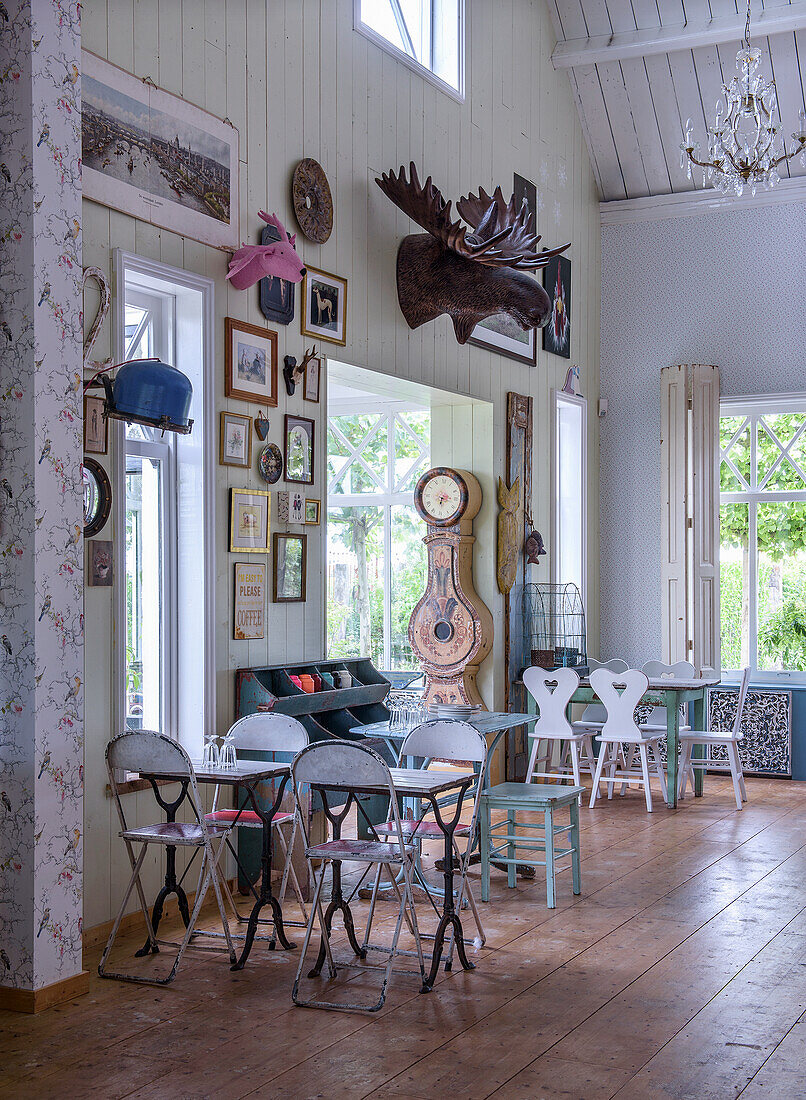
x: 41, y: 513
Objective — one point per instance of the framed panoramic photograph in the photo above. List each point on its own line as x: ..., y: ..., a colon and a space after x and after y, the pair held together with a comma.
x: 276, y: 294
x: 95, y: 427
x: 311, y: 379
x: 324, y: 306
x: 557, y: 284
x: 312, y: 509
x: 502, y: 334
x: 235, y: 444
x: 250, y: 362
x: 290, y: 567
x: 299, y: 449
x: 249, y: 521
x: 151, y: 154
x: 250, y: 601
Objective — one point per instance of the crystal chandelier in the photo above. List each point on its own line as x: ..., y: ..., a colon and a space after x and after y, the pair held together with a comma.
x: 744, y: 147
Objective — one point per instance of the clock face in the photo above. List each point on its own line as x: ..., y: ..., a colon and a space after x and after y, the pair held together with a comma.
x: 441, y: 497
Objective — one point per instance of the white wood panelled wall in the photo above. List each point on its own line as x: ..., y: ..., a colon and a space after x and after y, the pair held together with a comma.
x: 296, y: 80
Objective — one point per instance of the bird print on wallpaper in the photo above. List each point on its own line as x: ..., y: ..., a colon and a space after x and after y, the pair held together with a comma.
x: 43, y: 766
x: 6, y: 801
x: 4, y: 485
x: 45, y: 608
x: 7, y: 645
x: 45, y: 452
x: 4, y: 959
x: 44, y: 135
x: 43, y: 922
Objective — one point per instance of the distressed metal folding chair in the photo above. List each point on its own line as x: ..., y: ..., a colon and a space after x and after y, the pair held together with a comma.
x: 153, y: 753
x: 348, y: 766
x: 456, y: 742
x: 280, y: 735
x: 552, y: 691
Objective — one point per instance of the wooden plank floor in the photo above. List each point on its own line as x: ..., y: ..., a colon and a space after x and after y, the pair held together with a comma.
x: 679, y: 973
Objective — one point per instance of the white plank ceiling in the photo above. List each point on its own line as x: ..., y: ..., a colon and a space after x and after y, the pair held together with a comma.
x: 640, y: 68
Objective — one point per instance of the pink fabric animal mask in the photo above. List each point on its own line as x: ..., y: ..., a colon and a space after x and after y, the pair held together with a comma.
x: 253, y: 262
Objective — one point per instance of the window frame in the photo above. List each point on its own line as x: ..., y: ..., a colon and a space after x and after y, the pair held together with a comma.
x: 188, y: 709
x: 411, y: 62
x: 560, y: 398
x: 753, y: 408
x: 386, y: 498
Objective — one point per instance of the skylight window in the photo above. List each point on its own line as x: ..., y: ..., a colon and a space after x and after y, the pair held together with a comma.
x: 427, y: 34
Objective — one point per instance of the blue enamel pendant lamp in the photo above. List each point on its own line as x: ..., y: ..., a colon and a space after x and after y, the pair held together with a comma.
x: 150, y: 392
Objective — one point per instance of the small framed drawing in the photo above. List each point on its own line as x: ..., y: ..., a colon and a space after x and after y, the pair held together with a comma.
x: 290, y: 506
x: 250, y: 362
x: 250, y: 601
x: 235, y: 444
x: 312, y: 508
x: 290, y: 567
x: 95, y: 427
x: 502, y: 334
x: 249, y: 521
x: 324, y: 306
x: 299, y: 449
x: 100, y: 570
x: 557, y: 284
x: 310, y: 383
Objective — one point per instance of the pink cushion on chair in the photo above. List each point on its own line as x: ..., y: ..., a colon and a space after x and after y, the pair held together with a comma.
x: 247, y: 817
x: 410, y: 828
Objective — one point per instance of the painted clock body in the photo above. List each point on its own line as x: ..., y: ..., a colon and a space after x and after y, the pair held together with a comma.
x: 451, y: 628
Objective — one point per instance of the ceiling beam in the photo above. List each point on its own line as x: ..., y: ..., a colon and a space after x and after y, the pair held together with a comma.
x: 686, y: 36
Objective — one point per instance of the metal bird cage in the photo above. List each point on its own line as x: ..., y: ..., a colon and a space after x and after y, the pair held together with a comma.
x: 554, y: 626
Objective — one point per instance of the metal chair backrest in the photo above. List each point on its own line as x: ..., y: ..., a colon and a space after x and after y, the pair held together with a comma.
x: 149, y: 752
x: 552, y: 692
x: 268, y: 733
x: 344, y: 765
x: 680, y: 670
x: 616, y: 665
x: 620, y: 704
x: 446, y: 740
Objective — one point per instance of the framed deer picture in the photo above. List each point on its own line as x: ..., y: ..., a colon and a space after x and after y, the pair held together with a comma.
x: 324, y: 306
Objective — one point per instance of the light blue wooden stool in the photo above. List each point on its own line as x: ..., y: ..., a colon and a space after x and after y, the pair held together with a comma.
x: 536, y: 836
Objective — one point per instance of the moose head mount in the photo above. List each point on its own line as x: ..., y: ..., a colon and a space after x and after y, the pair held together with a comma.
x: 467, y: 271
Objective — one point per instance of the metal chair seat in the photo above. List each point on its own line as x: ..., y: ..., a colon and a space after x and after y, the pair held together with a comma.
x: 175, y: 833
x: 366, y: 851
x: 246, y: 819
x: 411, y: 828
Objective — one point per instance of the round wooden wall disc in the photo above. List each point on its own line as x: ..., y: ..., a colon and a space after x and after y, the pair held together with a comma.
x: 313, y: 203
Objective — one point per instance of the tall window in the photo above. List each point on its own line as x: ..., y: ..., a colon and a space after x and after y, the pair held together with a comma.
x: 427, y: 34
x: 763, y: 535
x: 376, y: 564
x: 150, y: 487
x: 570, y: 427
x: 164, y: 506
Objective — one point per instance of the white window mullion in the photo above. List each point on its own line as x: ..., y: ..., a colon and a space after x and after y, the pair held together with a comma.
x: 752, y: 634
x: 387, y: 586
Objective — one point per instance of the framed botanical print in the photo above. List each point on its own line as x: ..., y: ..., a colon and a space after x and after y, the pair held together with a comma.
x: 312, y: 509
x: 250, y: 362
x: 235, y: 443
x: 290, y: 567
x: 249, y: 521
x: 324, y: 306
x: 299, y: 449
x: 95, y: 427
x: 310, y: 381
x: 557, y: 284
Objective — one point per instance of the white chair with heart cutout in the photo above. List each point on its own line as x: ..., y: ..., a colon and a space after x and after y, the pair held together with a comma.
x: 620, y: 692
x: 551, y: 691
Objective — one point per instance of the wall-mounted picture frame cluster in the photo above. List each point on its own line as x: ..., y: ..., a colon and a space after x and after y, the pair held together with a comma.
x: 235, y: 440
x: 299, y: 449
x: 250, y: 521
x: 290, y: 567
x: 250, y: 363
x: 324, y: 306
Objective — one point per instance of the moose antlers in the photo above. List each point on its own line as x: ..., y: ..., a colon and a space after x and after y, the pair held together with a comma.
x: 495, y: 222
x: 469, y: 271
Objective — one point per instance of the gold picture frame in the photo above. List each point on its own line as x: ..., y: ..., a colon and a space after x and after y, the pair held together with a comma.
x: 330, y: 294
x: 249, y: 521
x: 313, y: 510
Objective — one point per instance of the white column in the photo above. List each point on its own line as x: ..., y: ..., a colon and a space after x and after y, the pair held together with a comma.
x: 41, y: 512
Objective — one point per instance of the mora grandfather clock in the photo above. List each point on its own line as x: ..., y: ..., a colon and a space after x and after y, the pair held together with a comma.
x: 451, y: 628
